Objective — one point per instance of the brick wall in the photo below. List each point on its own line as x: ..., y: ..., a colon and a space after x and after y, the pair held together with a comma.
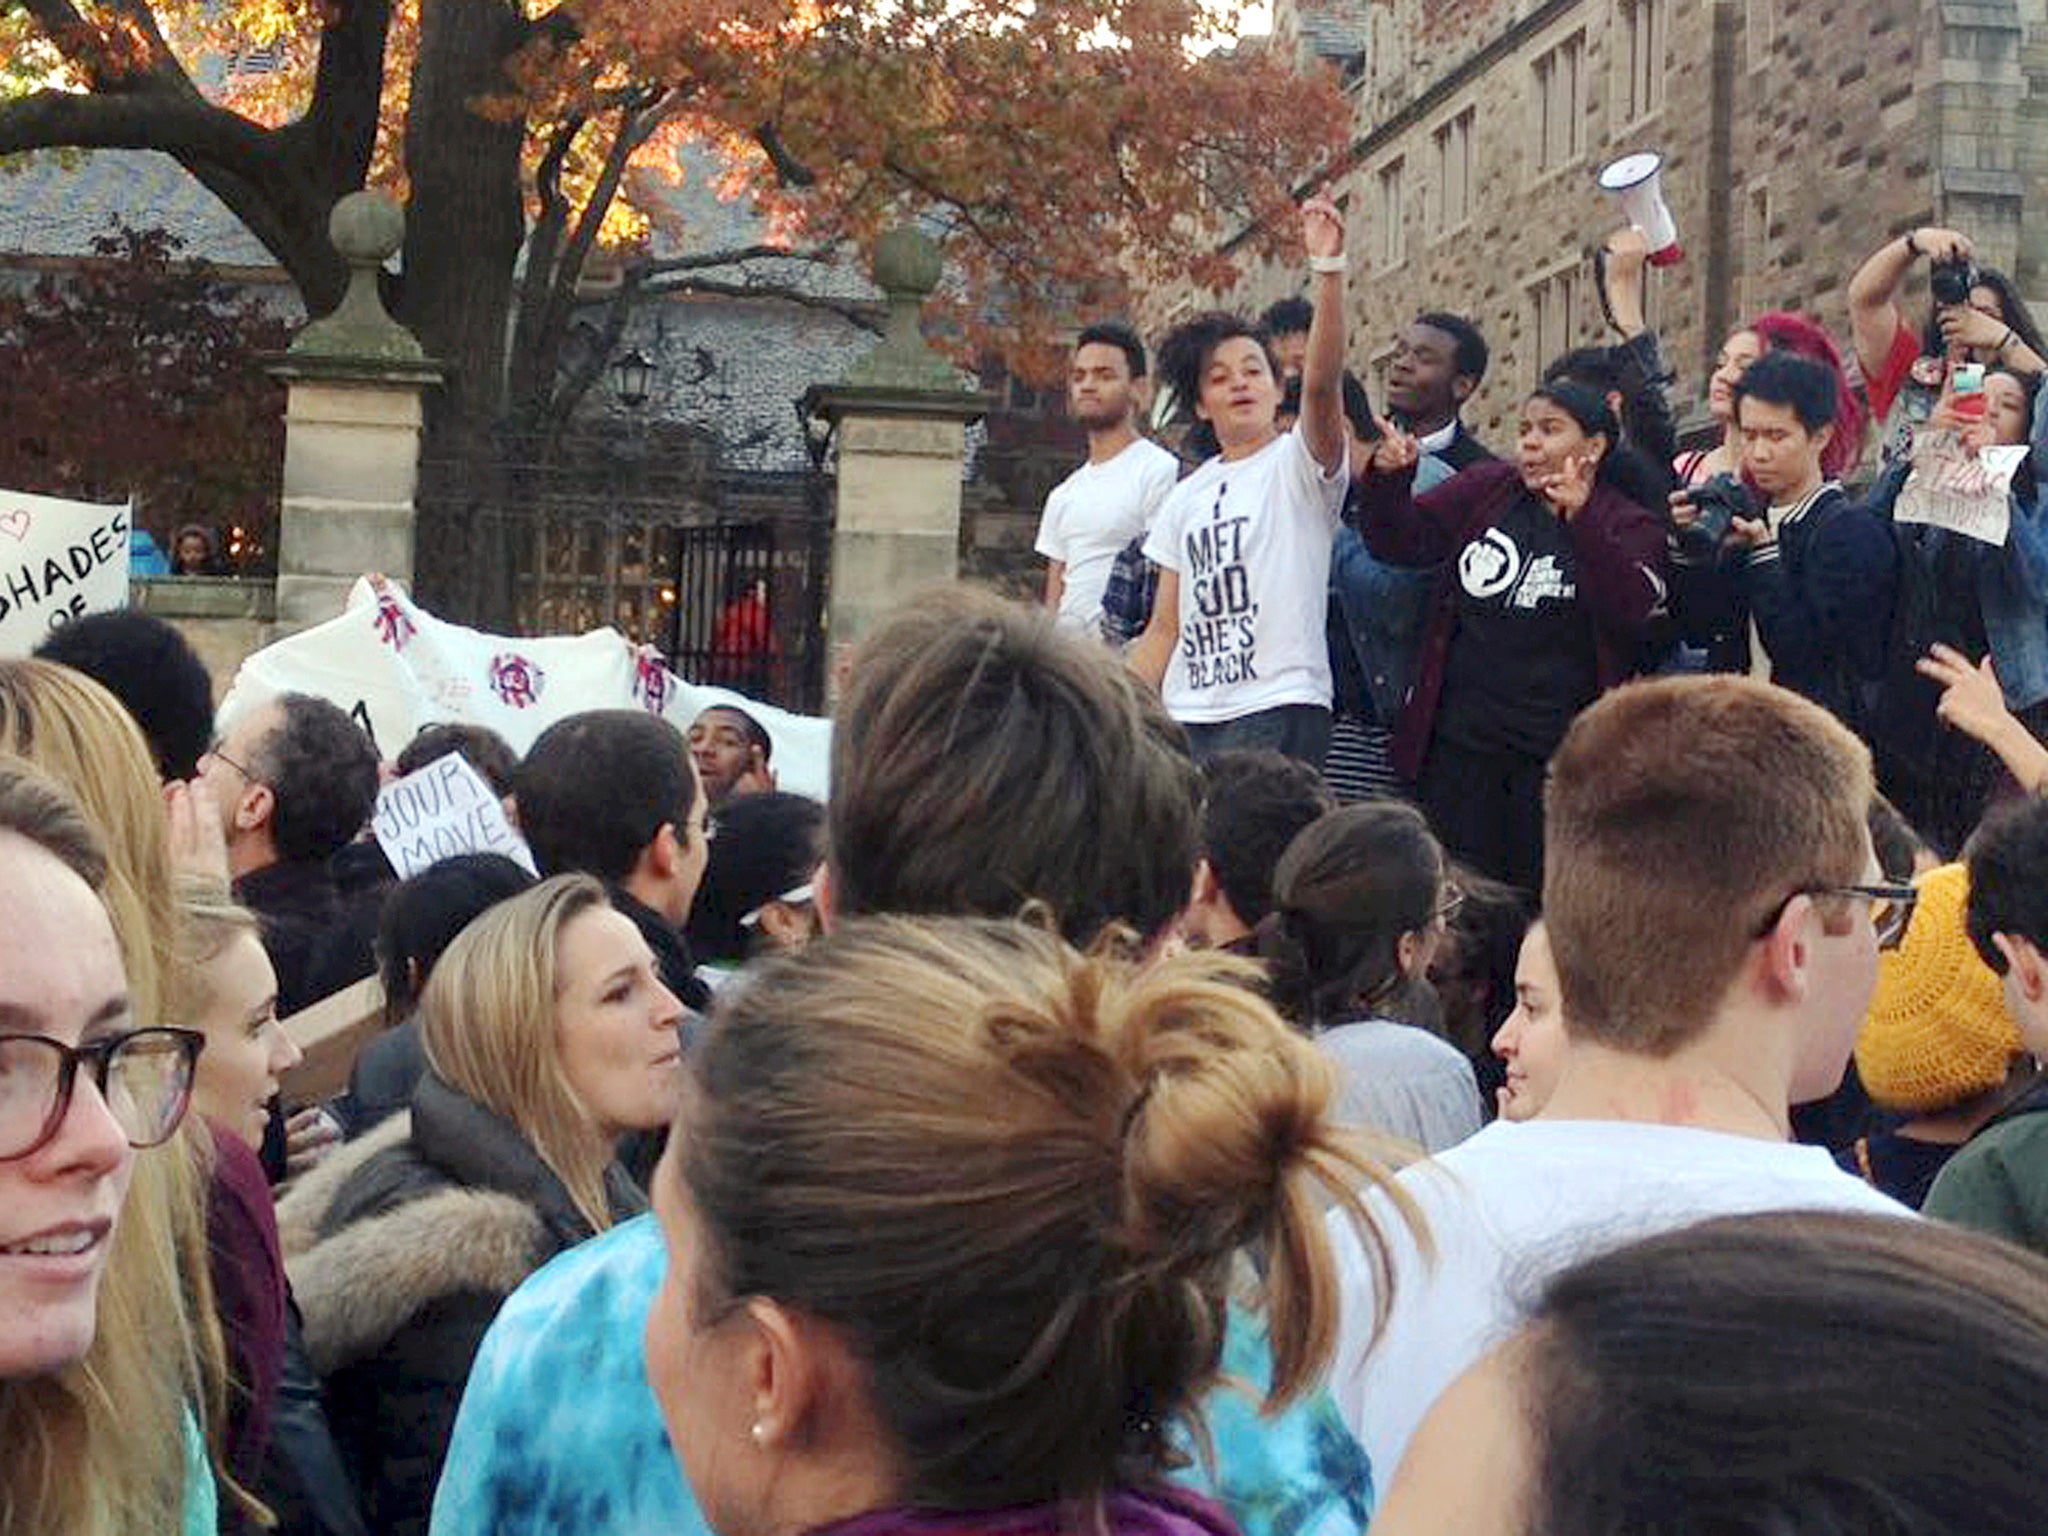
x: 1798, y: 136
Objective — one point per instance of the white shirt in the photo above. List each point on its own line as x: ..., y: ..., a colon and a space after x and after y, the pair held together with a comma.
x: 1092, y: 514
x: 1516, y: 1205
x: 1250, y: 540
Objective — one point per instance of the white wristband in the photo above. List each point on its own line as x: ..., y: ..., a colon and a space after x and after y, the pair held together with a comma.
x: 1334, y: 263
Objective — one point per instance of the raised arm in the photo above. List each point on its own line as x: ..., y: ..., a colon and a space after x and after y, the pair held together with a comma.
x: 1874, y: 317
x: 1321, y: 423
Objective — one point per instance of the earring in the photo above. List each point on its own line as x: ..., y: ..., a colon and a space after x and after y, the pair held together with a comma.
x: 760, y: 1432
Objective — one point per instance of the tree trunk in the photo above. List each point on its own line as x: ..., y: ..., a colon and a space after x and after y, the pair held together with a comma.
x: 463, y: 231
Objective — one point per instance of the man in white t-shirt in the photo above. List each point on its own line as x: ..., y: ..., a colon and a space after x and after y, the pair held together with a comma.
x: 1237, y: 643
x: 1109, y: 501
x: 1715, y: 911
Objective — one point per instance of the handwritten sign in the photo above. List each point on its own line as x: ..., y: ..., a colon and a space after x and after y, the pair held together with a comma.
x: 59, y: 560
x: 1964, y: 490
x: 444, y: 809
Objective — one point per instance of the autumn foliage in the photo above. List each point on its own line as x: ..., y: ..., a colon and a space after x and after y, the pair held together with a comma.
x: 141, y: 375
x: 1061, y: 148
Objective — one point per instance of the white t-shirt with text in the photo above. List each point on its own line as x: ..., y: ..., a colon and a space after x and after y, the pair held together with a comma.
x: 1518, y: 1204
x: 1092, y: 514
x: 1250, y: 540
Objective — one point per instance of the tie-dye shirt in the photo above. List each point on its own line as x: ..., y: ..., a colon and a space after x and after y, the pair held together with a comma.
x: 559, y: 1430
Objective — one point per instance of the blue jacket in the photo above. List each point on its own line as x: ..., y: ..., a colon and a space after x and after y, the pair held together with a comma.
x: 559, y: 1430
x: 2010, y: 584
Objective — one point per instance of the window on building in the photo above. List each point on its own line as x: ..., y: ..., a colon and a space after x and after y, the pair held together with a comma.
x: 1387, y: 215
x: 1560, y: 103
x: 1454, y: 172
x: 1758, y: 27
x: 261, y: 60
x: 1642, y: 54
x: 1553, y: 318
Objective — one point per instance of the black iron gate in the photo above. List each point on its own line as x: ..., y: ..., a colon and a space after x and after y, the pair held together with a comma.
x: 725, y: 575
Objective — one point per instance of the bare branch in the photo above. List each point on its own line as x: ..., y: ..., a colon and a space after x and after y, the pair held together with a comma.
x: 592, y: 365
x: 789, y: 170
x: 542, y: 248
x: 734, y: 256
x: 179, y: 125
x: 635, y: 127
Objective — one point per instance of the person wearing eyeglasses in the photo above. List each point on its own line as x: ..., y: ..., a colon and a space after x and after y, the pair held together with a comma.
x: 101, y: 1435
x: 1360, y: 902
x: 1715, y: 912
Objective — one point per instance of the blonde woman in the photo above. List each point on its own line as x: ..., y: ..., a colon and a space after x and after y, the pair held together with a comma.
x: 158, y: 1281
x: 953, y: 1216
x: 549, y: 1037
x: 97, y: 1436
x: 225, y: 991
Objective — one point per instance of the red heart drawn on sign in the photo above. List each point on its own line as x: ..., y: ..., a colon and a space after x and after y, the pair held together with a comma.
x: 15, y: 524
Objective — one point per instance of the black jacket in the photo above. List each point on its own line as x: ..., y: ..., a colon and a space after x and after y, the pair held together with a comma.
x: 671, y: 954
x: 1821, y: 595
x: 401, y: 1248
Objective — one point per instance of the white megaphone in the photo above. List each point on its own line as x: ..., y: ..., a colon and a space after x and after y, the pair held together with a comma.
x: 1638, y: 180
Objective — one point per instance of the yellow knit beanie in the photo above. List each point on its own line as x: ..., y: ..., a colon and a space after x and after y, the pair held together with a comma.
x: 1938, y: 1031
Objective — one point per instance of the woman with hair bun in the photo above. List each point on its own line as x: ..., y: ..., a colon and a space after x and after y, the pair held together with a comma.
x: 953, y: 1214
x: 1360, y: 903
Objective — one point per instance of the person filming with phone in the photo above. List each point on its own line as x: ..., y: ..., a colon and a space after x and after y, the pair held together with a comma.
x: 1977, y: 317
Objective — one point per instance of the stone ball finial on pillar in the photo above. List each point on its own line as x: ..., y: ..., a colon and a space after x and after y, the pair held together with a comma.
x: 366, y: 229
x: 908, y: 263
x: 907, y: 268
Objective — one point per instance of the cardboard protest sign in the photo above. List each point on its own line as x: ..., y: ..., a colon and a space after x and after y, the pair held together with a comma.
x: 396, y: 668
x: 59, y: 560
x: 1961, y: 489
x: 444, y: 809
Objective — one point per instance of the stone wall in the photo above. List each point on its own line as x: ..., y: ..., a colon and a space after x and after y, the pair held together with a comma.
x: 1797, y: 138
x: 226, y: 619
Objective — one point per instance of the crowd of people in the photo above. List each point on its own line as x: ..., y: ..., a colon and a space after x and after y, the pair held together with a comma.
x: 1397, y: 996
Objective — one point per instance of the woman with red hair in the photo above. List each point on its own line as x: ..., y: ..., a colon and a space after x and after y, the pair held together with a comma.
x: 1776, y: 331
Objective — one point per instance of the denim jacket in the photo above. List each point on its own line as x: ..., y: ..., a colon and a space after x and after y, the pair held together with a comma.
x: 1384, y: 607
x: 2012, y: 583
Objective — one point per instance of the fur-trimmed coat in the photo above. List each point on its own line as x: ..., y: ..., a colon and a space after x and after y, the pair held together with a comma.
x: 401, y: 1247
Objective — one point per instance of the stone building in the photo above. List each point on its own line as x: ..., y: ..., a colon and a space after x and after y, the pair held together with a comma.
x: 1797, y: 135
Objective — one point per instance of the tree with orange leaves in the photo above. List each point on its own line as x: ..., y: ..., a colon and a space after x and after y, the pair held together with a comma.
x: 1060, y: 148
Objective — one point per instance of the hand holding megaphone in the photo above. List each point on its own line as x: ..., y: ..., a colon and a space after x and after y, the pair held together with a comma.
x: 1638, y: 180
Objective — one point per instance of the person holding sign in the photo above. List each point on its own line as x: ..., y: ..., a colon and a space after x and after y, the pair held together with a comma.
x: 1549, y: 576
x: 1969, y: 522
x: 1236, y: 641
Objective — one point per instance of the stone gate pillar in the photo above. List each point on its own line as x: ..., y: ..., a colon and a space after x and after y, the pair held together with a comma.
x: 356, y: 380
x: 900, y: 420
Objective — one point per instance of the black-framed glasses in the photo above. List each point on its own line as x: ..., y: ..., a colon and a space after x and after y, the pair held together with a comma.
x: 145, y: 1077
x: 1891, y: 908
